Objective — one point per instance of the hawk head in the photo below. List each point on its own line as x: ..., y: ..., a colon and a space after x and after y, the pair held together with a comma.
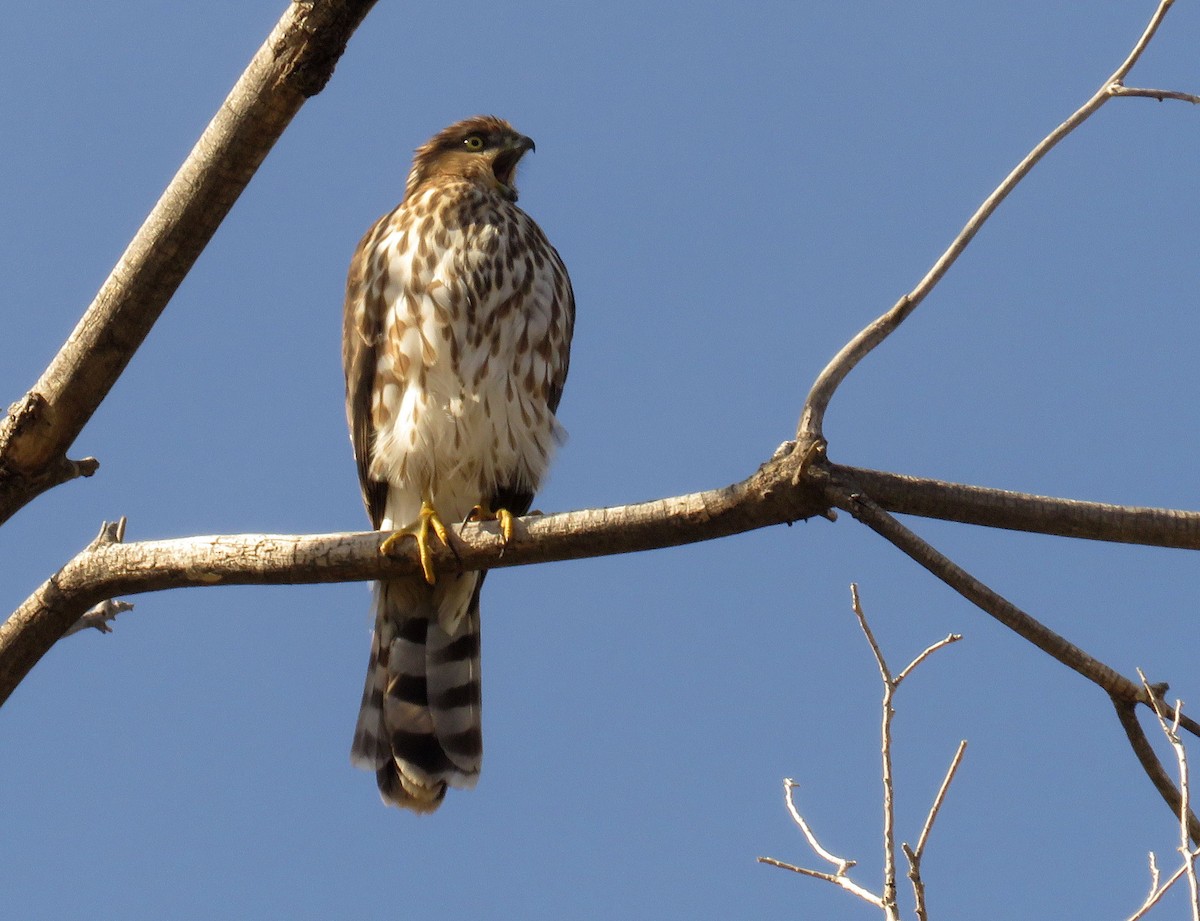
x: 483, y: 149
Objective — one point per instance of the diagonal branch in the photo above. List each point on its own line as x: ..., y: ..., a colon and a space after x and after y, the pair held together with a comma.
x: 293, y: 64
x: 1003, y: 610
x: 1127, y: 715
x: 1124, y: 693
x: 812, y: 418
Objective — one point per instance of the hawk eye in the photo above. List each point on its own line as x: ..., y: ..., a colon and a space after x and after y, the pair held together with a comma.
x: 474, y: 142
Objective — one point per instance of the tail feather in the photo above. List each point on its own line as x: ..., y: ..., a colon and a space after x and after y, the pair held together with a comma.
x: 419, y: 726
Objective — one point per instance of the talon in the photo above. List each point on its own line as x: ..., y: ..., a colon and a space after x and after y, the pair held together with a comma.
x: 505, y: 519
x: 429, y: 520
x: 502, y: 516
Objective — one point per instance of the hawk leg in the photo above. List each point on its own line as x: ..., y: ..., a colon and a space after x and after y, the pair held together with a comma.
x: 429, y: 520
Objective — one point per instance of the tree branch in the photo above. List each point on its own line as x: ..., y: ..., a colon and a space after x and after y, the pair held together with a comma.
x: 293, y: 64
x: 812, y: 417
x: 989, y: 601
x: 1016, y: 511
x: 109, y: 568
x: 1127, y: 715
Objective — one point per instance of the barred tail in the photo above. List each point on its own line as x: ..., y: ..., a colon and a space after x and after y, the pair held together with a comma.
x: 419, y: 726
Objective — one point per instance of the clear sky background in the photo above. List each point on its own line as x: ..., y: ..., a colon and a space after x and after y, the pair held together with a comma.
x: 736, y: 189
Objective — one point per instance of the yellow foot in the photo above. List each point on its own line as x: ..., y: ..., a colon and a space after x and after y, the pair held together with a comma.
x: 429, y: 520
x: 501, y: 516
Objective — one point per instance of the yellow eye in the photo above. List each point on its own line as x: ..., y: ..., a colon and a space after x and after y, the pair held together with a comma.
x: 474, y: 142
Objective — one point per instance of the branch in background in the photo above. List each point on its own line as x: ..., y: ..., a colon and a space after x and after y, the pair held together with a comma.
x: 1123, y: 692
x: 293, y: 64
x: 1003, y: 610
x: 886, y: 902
x: 914, y: 855
x: 812, y: 418
x: 841, y: 864
x: 1170, y: 730
x: 1160, y: 95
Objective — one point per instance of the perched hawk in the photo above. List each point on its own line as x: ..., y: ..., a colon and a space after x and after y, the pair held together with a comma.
x: 456, y: 339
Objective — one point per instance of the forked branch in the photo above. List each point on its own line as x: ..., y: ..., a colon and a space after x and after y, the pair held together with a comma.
x: 812, y: 418
x: 840, y: 877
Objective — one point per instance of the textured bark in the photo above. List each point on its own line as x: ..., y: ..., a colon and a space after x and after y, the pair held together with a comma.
x: 109, y: 568
x: 293, y: 64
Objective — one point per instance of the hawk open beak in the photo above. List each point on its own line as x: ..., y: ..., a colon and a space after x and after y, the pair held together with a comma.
x: 505, y: 165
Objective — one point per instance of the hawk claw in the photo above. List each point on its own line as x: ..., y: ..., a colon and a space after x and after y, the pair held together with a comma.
x: 502, y: 516
x: 429, y: 520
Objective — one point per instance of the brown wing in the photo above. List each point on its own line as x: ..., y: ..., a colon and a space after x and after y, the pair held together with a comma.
x: 362, y: 323
x: 566, y: 302
x: 515, y: 499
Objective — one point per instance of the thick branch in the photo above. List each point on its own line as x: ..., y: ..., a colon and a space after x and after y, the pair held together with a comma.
x: 999, y: 508
x: 294, y: 64
x: 108, y: 569
x: 865, y: 510
x: 1127, y: 715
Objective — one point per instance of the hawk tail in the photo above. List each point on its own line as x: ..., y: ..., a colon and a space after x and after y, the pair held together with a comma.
x: 419, y: 725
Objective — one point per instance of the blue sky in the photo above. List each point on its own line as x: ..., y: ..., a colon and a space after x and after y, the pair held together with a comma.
x: 735, y: 193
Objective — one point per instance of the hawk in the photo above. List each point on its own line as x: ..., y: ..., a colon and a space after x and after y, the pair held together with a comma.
x: 456, y: 341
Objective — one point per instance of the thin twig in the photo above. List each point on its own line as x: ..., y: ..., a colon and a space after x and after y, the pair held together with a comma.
x: 884, y: 671
x: 937, y: 800
x: 810, y: 428
x: 885, y: 744
x: 1160, y: 95
x: 952, y: 638
x: 1171, y: 731
x: 844, y: 882
x: 842, y: 864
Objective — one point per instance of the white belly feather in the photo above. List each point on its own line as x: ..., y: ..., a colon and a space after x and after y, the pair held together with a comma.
x: 465, y: 369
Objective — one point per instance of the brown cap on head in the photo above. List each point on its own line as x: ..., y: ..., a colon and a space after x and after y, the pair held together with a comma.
x: 482, y: 149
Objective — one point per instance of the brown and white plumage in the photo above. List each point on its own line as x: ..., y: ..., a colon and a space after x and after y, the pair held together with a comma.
x: 456, y: 340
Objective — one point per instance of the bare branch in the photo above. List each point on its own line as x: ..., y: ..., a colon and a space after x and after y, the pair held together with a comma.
x: 884, y: 671
x: 848, y: 884
x: 810, y: 429
x: 1160, y: 95
x: 293, y: 64
x: 842, y: 865
x: 1186, y: 830
x: 110, y: 569
x: 1157, y: 893
x: 951, y: 638
x: 98, y: 617
x: 1017, y: 511
x: 879, y: 521
x: 937, y: 800
x: 887, y: 901
x: 1123, y: 692
x: 1127, y: 715
x: 1171, y: 731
